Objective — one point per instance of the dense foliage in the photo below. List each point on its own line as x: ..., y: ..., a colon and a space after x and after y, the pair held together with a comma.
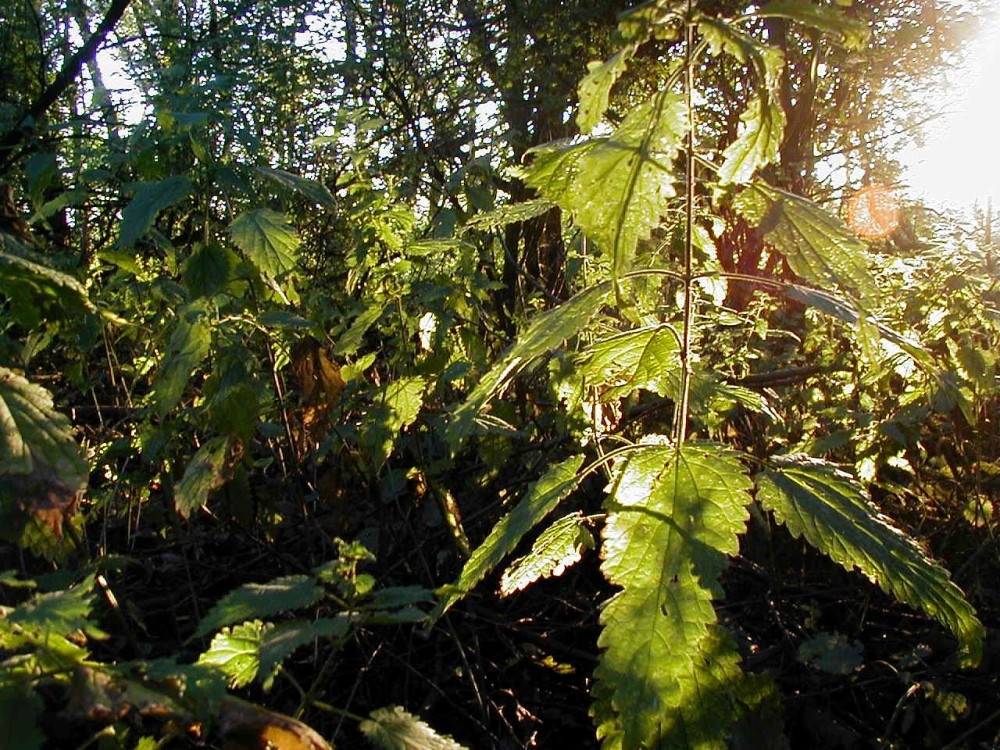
x: 323, y: 319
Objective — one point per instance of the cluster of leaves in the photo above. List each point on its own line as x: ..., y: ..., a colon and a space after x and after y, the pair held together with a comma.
x: 330, y: 334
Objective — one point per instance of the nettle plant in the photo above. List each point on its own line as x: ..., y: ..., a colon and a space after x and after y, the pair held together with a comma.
x: 676, y: 504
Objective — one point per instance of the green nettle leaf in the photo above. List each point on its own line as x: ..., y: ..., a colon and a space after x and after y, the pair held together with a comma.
x: 554, y: 168
x: 851, y: 32
x: 667, y: 671
x: 58, y: 612
x: 398, y: 408
x: 508, y: 214
x: 150, y: 198
x: 546, y: 332
x: 817, y: 245
x: 616, y: 188
x: 281, y: 641
x: 20, y: 709
x: 206, y: 471
x: 646, y: 358
x: 236, y: 652
x: 315, y: 191
x: 540, y: 500
x: 268, y: 240
x: 208, y: 269
x: 722, y: 36
x: 395, y: 729
x: 36, y: 292
x: 830, y: 510
x: 758, y: 143
x: 595, y: 88
x: 350, y: 342
x: 557, y: 548
x: 255, y: 600
x: 189, y: 345
x: 35, y: 439
x: 255, y: 649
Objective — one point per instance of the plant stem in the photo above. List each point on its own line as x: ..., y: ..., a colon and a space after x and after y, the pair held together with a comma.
x: 683, y: 404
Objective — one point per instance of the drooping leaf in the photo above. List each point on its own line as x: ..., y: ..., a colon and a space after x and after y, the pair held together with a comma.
x: 315, y: 191
x: 268, y: 240
x: 258, y: 600
x: 37, y: 293
x: 556, y: 549
x: 150, y: 198
x: 838, y: 307
x: 830, y: 510
x: 852, y: 33
x: 635, y: 27
x: 188, y: 346
x: 546, y: 331
x: 666, y: 670
x: 763, y: 124
x: 42, y: 469
x: 395, y: 729
x: 540, y: 500
x: 817, y: 245
x: 647, y: 357
x: 207, y: 470
x: 20, y: 709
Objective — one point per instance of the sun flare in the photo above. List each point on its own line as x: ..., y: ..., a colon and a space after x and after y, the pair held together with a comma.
x: 959, y: 165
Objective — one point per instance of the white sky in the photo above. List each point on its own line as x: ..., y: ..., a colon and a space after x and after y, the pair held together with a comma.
x: 960, y: 161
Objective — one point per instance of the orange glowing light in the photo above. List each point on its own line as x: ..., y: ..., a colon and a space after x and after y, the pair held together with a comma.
x: 873, y: 212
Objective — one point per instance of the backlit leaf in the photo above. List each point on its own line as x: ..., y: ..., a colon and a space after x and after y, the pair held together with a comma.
x: 675, y: 513
x: 763, y: 125
x: 268, y: 240
x: 830, y: 510
x: 150, y: 198
x: 59, y: 612
x: 616, y: 188
x: 646, y: 358
x: 850, y: 32
x: 236, y: 652
x: 540, y: 500
x: 259, y: 600
x: 546, y: 331
x: 395, y: 729
x: 556, y: 549
x: 817, y: 245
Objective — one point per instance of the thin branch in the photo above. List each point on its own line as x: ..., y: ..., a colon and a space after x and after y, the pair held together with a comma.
x: 69, y: 73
